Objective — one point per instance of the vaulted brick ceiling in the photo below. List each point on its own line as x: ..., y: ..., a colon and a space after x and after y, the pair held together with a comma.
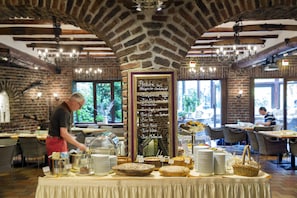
x: 148, y: 38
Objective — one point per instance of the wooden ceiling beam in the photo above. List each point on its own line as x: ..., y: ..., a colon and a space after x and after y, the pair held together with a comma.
x: 272, y: 36
x: 259, y: 27
x: 25, y: 21
x: 64, y: 46
x: 86, y: 51
x: 27, y: 61
x: 96, y: 55
x: 242, y: 42
x: 37, y: 31
x: 231, y: 42
x: 30, y: 39
x: 94, y: 51
x: 263, y: 55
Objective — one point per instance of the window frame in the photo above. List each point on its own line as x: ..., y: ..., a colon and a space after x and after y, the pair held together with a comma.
x: 112, y: 89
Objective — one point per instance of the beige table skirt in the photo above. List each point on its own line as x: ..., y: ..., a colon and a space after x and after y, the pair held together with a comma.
x: 153, y: 186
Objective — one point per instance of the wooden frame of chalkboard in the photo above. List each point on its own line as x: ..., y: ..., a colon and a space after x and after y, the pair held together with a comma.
x: 152, y: 120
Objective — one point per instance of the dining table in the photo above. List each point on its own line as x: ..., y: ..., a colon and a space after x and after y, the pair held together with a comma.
x: 283, y: 134
x: 87, y: 131
x: 244, y: 127
x: 17, y: 135
x: 247, y: 126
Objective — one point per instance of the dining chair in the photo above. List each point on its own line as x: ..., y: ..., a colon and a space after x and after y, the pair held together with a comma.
x: 8, y: 141
x: 293, y: 146
x: 233, y: 135
x: 214, y: 133
x: 12, y: 141
x: 277, y: 127
x: 253, y: 141
x: 32, y: 148
x: 263, y: 128
x: 6, y: 157
x: 271, y: 146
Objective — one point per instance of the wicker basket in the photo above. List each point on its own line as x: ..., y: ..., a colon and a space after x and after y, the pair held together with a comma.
x: 249, y: 168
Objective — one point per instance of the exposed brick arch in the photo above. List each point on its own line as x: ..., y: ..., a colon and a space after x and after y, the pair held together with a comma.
x: 10, y: 89
x: 13, y: 94
x: 149, y: 39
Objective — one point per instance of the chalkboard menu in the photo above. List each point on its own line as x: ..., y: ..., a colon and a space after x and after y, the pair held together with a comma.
x: 152, y: 120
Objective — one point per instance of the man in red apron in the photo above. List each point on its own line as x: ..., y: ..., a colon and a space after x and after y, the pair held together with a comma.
x: 60, y: 125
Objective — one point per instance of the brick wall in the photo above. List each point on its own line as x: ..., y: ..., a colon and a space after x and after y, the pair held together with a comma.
x: 24, y: 104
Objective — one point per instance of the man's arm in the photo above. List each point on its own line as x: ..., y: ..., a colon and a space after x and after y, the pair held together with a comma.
x: 267, y: 123
x: 66, y: 136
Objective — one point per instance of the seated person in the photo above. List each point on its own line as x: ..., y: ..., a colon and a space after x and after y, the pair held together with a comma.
x: 269, y: 119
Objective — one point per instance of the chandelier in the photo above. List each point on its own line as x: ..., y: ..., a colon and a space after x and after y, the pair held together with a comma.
x: 233, y: 53
x: 88, y: 71
x: 58, y: 55
x: 149, y: 4
x: 193, y: 68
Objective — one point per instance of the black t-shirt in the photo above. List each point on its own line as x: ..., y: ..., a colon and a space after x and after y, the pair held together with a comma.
x: 61, y: 117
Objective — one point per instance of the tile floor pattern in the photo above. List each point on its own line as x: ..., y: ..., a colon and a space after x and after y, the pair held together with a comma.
x: 22, y: 182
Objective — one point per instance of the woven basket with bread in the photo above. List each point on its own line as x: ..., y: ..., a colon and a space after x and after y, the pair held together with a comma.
x: 243, y: 167
x: 174, y: 171
x: 181, y: 161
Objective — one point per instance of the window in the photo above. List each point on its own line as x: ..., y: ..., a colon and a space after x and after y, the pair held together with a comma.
x: 4, y: 107
x: 200, y: 100
x: 102, y: 99
x: 269, y: 94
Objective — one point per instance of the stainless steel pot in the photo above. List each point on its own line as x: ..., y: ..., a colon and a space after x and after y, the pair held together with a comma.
x: 58, y: 166
x: 75, y: 160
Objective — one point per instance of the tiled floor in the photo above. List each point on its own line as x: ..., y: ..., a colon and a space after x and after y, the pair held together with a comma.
x: 22, y: 182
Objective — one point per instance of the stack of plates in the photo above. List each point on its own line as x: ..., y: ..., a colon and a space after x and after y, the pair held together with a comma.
x: 113, y: 161
x: 205, y: 162
x: 219, y: 163
x: 196, y: 149
x: 101, y: 164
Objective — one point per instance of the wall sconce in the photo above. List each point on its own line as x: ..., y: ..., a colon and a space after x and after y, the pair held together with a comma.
x: 192, y: 66
x: 239, y: 94
x: 285, y: 62
x: 56, y: 96
x: 38, y: 96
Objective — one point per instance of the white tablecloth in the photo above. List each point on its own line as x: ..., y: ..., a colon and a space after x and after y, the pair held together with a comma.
x: 153, y: 186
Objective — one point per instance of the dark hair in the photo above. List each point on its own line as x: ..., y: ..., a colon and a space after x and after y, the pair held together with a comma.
x: 262, y: 109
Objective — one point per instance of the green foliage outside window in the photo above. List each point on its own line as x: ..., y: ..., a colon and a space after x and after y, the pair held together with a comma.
x: 105, y: 93
x: 190, y: 102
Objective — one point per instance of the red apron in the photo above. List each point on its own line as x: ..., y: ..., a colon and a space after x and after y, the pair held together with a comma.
x: 55, y: 144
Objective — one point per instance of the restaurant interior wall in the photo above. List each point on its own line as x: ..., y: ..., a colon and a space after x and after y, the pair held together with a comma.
x: 147, y: 40
x: 27, y: 104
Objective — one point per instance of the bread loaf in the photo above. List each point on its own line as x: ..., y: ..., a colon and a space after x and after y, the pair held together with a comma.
x: 174, y: 171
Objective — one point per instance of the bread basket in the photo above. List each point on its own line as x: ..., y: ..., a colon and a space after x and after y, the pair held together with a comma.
x: 249, y: 168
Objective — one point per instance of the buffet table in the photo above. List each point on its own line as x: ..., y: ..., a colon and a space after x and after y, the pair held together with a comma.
x: 153, y: 186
